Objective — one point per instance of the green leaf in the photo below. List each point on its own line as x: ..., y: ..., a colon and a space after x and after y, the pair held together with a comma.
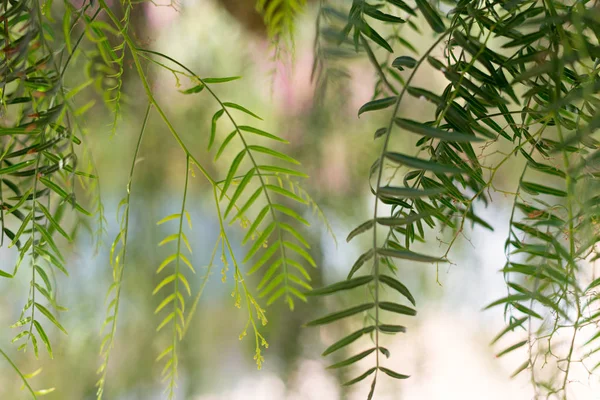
x: 239, y: 190
x: 288, y: 211
x: 409, y: 193
x: 44, y: 337
x: 261, y: 133
x: 378, y: 15
x: 429, y: 131
x: 257, y: 221
x: 398, y: 286
x: 195, y: 89
x: 418, y: 163
x: 242, y: 109
x: 286, y: 193
x: 300, y: 251
x: 375, y: 37
x: 408, y: 255
x: 260, y: 241
x: 221, y: 80
x: 58, y: 190
x: 521, y: 368
x: 20, y: 130
x: 213, y: 129
x: 393, y: 374
x: 396, y: 221
x: 345, y: 341
x: 510, y: 299
x: 512, y: 348
x: 16, y: 167
x: 228, y: 139
x: 48, y: 238
x: 433, y: 19
x: 343, y: 285
x: 168, y: 218
x: 397, y: 308
x: 163, y: 283
x: 52, y: 221
x: 50, y: 317
x: 352, y: 360
x: 164, y: 303
x: 360, y: 378
x: 22, y: 228
x: 391, y: 328
x: 360, y: 229
x: 402, y: 5
x: 166, y: 261
x: 266, y: 255
x: 535, y: 189
x: 404, y: 61
x: 360, y: 261
x: 265, y: 150
x: 516, y: 323
x: 279, y: 170
x: 380, y: 132
x: 379, y: 104
x: 232, y: 171
x: 341, y: 314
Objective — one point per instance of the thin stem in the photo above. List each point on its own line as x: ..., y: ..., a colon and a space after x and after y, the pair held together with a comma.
x: 14, y: 366
x: 119, y: 274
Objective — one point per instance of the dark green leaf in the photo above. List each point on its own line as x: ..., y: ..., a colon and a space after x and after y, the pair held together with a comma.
x: 242, y: 109
x: 511, y: 348
x: 434, y: 166
x: 404, y: 61
x: 360, y: 229
x: 351, y: 338
x: 341, y: 314
x: 343, y: 285
x: 360, y: 378
x: 432, y: 17
x: 392, y: 328
x: 393, y: 374
x: 352, y: 360
x: 409, y: 193
x: 379, y: 104
x: 397, y: 308
x: 408, y: 255
x: 535, y: 188
x: 397, y: 285
x: 360, y: 261
x: 429, y: 131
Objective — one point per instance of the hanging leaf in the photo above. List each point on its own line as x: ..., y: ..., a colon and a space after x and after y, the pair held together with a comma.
x: 377, y: 105
x: 404, y: 61
x: 432, y: 17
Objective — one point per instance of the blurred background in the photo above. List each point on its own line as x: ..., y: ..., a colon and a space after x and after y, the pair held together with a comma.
x: 446, y: 349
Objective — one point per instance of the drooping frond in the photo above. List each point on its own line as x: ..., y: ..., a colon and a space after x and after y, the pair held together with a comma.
x: 269, y: 223
x: 118, y: 262
x: 280, y: 17
x: 38, y: 164
x: 275, y: 219
x: 536, y: 91
x: 173, y: 271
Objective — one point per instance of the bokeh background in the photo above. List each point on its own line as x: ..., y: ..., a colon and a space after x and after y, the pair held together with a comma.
x: 446, y: 350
